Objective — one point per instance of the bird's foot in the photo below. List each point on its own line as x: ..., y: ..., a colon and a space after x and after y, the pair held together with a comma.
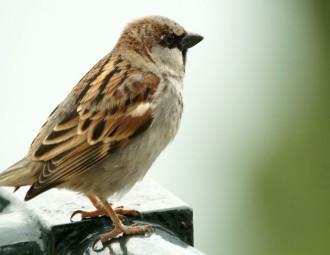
x: 134, y: 229
x: 100, y: 211
x: 127, y: 212
x: 89, y: 214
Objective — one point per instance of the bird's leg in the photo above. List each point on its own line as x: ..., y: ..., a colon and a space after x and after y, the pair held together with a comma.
x: 120, y: 228
x: 100, y: 210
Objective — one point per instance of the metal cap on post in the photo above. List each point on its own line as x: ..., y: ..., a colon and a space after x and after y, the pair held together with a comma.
x: 42, y: 225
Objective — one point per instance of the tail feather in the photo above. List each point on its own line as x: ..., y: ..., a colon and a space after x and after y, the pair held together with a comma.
x: 20, y: 174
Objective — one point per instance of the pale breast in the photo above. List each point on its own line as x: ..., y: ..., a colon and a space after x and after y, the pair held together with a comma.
x: 122, y: 169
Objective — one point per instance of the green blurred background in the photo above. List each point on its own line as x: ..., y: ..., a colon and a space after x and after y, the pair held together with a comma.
x: 252, y: 157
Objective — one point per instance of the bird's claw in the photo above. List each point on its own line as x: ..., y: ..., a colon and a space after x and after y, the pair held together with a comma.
x: 75, y: 213
x: 98, y: 239
x: 121, y: 211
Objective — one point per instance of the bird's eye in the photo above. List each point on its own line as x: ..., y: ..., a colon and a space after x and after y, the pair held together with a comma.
x: 168, y: 39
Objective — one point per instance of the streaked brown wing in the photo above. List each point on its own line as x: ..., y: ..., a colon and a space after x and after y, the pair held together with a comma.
x: 115, y: 107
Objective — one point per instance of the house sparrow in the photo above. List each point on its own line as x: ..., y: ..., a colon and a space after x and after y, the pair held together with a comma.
x: 112, y: 126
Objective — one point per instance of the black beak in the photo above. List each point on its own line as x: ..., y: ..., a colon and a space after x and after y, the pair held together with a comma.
x: 189, y: 40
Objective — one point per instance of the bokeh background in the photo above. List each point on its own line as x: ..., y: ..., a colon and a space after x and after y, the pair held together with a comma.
x: 252, y: 157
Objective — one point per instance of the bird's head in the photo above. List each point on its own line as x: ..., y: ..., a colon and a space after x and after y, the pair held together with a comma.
x: 160, y: 40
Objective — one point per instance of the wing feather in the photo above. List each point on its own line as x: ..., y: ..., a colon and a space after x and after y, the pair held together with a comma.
x: 114, y: 109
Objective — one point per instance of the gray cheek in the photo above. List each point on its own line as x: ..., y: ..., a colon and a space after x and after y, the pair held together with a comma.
x: 170, y: 59
x: 167, y: 57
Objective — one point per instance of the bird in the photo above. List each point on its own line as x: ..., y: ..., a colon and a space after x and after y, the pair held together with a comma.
x: 105, y: 135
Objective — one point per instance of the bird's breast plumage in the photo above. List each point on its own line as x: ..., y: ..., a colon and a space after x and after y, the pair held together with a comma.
x: 123, y: 168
